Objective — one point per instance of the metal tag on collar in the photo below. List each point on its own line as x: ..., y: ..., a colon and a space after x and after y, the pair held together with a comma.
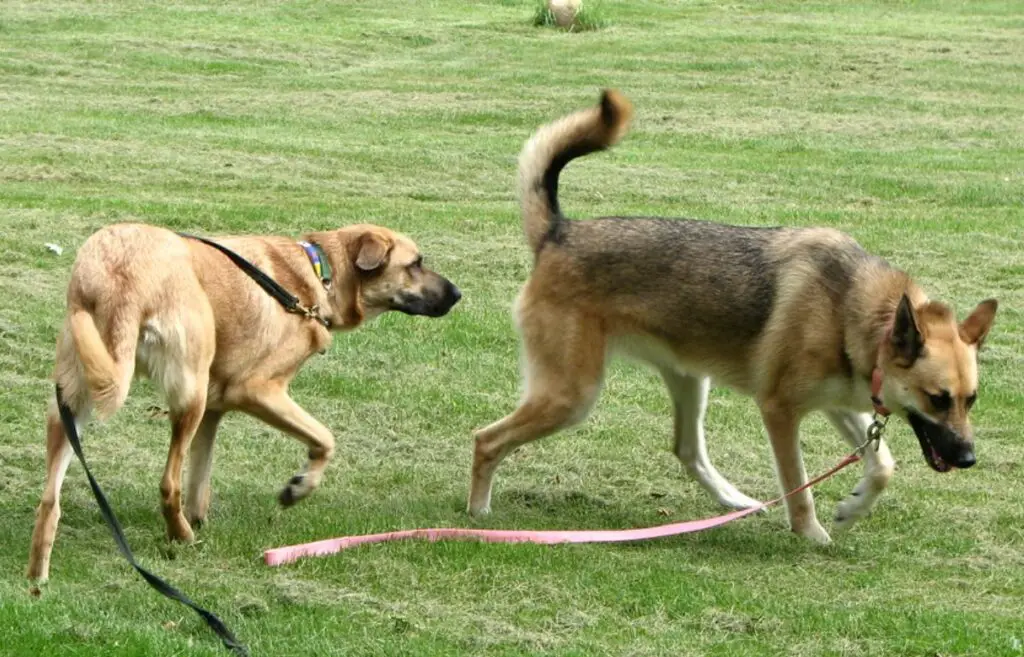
x: 875, y: 431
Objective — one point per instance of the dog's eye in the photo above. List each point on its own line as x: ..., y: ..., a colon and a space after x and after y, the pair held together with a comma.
x: 940, y: 402
x: 417, y: 264
x: 970, y: 400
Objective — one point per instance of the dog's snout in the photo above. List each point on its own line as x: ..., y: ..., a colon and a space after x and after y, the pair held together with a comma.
x: 454, y: 293
x: 966, y: 459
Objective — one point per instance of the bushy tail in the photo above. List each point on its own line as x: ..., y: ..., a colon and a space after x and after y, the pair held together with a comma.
x: 555, y: 145
x: 107, y: 382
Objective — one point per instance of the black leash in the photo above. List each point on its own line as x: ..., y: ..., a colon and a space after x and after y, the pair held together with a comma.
x: 290, y: 302
x: 230, y: 642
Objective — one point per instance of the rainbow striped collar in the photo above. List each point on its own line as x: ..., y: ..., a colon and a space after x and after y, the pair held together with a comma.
x: 317, y: 258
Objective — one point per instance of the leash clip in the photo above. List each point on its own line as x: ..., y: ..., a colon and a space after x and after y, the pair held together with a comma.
x: 875, y: 431
x: 312, y: 312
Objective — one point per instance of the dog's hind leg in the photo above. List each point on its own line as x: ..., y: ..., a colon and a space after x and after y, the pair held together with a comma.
x: 186, y: 416
x: 878, y: 467
x: 179, y: 349
x: 58, y: 458
x: 272, y: 404
x: 563, y: 362
x: 200, y: 465
x: 782, y: 424
x: 690, y: 400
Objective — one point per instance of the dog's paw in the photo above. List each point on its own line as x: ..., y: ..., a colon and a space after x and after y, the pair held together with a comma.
x: 478, y: 512
x: 738, y: 502
x: 297, y: 488
x: 180, y: 531
x: 814, y: 532
x: 849, y: 511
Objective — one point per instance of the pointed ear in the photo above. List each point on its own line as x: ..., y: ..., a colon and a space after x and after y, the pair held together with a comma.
x: 974, y: 329
x: 907, y: 341
x: 373, y: 250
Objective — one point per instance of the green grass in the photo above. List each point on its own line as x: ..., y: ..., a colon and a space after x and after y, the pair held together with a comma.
x: 899, y: 122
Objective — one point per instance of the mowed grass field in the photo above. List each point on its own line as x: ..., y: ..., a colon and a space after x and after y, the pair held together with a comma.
x: 898, y: 122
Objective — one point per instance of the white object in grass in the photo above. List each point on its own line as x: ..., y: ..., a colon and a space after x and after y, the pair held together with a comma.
x: 564, y: 11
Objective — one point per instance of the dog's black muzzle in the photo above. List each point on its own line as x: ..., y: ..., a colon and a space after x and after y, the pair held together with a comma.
x: 943, y: 447
x: 430, y: 304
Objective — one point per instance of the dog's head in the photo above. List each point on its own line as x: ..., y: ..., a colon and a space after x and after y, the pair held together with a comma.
x: 378, y: 270
x: 931, y: 376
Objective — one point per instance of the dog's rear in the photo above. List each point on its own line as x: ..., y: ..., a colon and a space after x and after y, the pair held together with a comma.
x: 598, y: 285
x: 130, y: 285
x: 122, y: 284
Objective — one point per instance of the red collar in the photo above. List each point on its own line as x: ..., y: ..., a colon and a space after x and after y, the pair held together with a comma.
x: 876, y: 392
x: 876, y: 374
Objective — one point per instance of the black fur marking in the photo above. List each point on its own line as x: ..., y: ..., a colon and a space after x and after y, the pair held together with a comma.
x: 549, y: 183
x: 609, y: 113
x: 609, y: 116
x: 716, y: 281
x: 287, y: 497
x: 836, y: 269
x: 906, y: 337
x: 296, y: 480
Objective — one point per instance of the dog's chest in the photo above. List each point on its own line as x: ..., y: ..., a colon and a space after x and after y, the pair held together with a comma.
x: 840, y: 392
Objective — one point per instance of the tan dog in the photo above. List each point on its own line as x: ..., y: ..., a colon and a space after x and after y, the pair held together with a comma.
x: 145, y: 301
x: 799, y: 319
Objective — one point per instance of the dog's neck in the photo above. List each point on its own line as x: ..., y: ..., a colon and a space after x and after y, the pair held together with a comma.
x: 343, y: 306
x: 877, y: 374
x: 869, y: 322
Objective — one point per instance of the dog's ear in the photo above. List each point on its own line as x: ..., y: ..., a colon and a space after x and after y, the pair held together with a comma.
x: 974, y: 329
x: 907, y: 341
x: 372, y: 253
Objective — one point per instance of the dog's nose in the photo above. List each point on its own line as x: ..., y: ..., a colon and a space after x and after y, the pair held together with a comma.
x: 966, y: 459
x: 454, y: 293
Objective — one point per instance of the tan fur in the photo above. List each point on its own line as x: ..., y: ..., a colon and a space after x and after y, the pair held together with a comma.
x: 796, y: 318
x: 143, y: 300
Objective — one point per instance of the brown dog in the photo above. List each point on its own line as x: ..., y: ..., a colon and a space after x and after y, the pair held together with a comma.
x: 799, y: 319
x: 145, y: 301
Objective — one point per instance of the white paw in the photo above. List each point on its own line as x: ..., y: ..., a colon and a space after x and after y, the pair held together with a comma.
x: 850, y: 510
x: 815, y: 532
x: 737, y: 501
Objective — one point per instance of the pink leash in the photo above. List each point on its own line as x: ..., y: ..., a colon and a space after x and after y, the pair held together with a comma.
x: 282, y: 555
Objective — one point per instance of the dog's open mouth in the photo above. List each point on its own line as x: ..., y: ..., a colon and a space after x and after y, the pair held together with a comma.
x: 927, y: 433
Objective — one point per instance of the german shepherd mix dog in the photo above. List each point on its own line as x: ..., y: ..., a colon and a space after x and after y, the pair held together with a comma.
x: 143, y: 300
x: 799, y: 319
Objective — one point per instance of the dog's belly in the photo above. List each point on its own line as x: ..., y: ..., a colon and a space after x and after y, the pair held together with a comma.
x: 660, y: 355
x: 160, y: 355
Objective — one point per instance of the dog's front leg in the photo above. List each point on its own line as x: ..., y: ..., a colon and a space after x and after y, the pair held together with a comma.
x: 783, y: 423
x: 878, y: 467
x: 273, y: 405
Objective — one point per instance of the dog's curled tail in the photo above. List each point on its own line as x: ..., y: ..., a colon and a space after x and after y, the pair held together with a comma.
x: 107, y: 383
x: 555, y: 145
